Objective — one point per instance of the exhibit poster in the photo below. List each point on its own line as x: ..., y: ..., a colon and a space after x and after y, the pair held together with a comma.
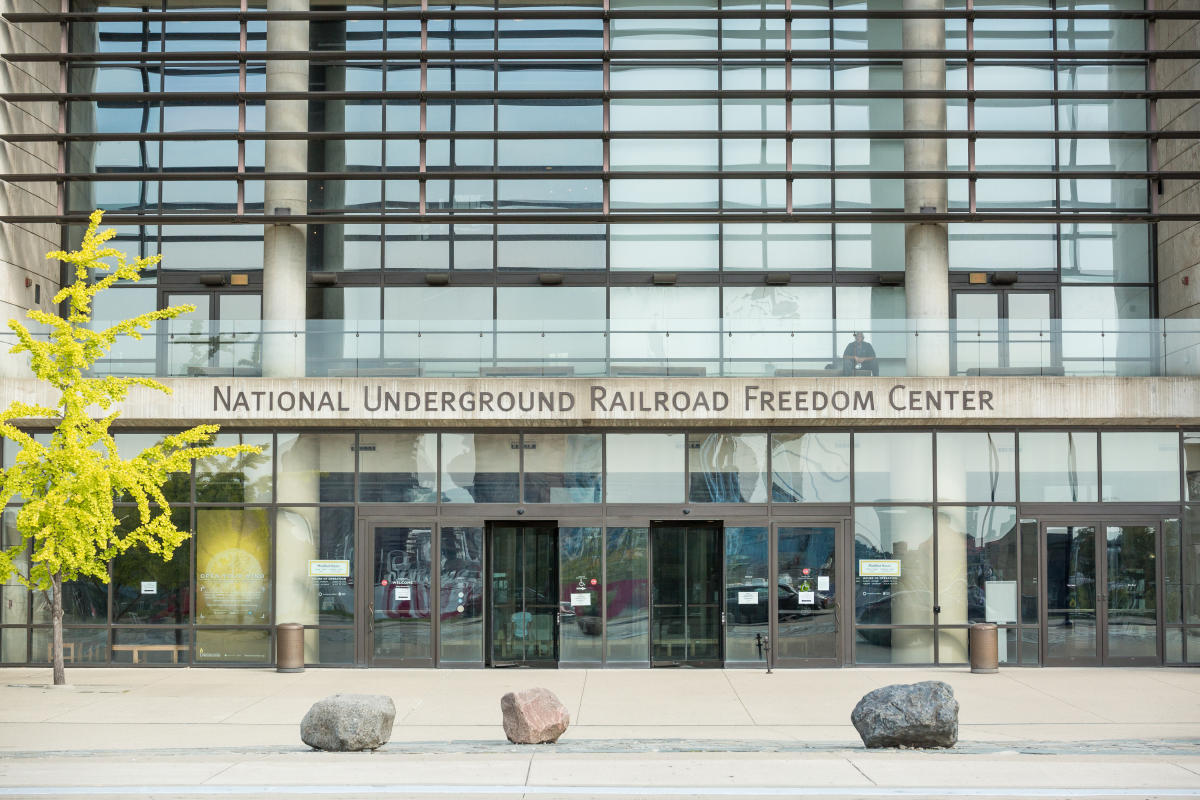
x: 233, y: 558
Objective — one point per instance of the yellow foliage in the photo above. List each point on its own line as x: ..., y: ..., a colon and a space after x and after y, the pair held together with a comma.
x: 67, y: 487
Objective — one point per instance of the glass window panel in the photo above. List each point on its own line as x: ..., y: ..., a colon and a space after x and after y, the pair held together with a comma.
x: 810, y: 467
x: 869, y: 246
x: 777, y: 245
x: 397, y: 467
x: 14, y: 598
x: 663, y: 193
x: 329, y: 646
x: 664, y: 34
x: 473, y: 246
x: 1099, y: 253
x: 727, y: 468
x: 896, y: 541
x: 747, y: 570
x: 976, y: 467
x: 245, y: 478
x: 1172, y: 572
x: 664, y: 247
x: 1173, y: 646
x: 562, y: 195
x: 233, y: 566
x: 1140, y: 466
x: 580, y: 574
x: 549, y: 115
x: 664, y: 323
x: 663, y: 114
x: 1191, y: 468
x: 850, y: 33
x: 550, y: 247
x: 1002, y: 247
x: 753, y: 194
x: 562, y: 154
x: 1014, y: 32
x: 149, y: 646
x: 977, y: 566
x: 893, y: 467
x: 1103, y: 194
x: 1191, y: 570
x: 232, y: 646
x: 774, y: 324
x: 315, y: 468
x: 80, y: 645
x: 460, y: 630
x: 1030, y: 596
x: 644, y: 467
x: 167, y: 601
x: 480, y: 468
x: 627, y: 595
x: 309, y: 533
x: 563, y: 467
x: 1058, y: 467
x: 664, y: 155
x: 416, y: 247
x: 1106, y: 303
x: 766, y: 154
x: 559, y: 34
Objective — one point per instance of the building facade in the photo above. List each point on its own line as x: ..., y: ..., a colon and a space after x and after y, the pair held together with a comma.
x: 634, y: 333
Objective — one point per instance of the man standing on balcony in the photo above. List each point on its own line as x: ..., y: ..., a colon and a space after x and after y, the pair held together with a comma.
x: 859, y: 356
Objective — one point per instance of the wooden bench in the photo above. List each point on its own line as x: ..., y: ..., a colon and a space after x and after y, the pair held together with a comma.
x: 138, y: 649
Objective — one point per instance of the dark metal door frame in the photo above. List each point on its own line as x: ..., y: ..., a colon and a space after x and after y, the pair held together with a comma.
x: 489, y: 659
x: 720, y: 526
x: 1101, y: 523
x: 841, y: 590
x: 1004, y: 328
x: 365, y: 595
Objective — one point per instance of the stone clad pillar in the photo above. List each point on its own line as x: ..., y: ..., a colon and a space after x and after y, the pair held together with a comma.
x: 285, y: 246
x: 926, y: 252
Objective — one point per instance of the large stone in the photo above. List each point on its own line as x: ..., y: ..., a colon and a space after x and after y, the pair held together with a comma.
x: 534, y: 716
x: 346, y: 722
x: 908, y: 715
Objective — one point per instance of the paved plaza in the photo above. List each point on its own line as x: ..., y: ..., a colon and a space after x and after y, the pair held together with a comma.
x: 634, y: 733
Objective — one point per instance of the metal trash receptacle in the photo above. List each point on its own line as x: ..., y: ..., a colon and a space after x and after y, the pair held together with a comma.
x: 984, y: 648
x: 289, y: 647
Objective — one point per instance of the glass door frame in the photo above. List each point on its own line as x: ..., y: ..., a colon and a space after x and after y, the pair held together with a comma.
x: 365, y: 600
x: 548, y: 524
x: 843, y: 575
x: 170, y: 293
x: 720, y: 525
x: 1004, y: 327
x: 1101, y: 523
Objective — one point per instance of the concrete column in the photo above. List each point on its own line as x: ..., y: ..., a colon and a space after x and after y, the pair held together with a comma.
x: 297, y: 538
x: 926, y: 252
x: 285, y: 246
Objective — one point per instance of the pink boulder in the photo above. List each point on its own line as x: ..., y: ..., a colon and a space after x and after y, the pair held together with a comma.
x: 534, y: 716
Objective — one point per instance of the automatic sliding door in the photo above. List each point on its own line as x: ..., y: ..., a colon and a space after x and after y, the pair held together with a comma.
x: 523, y: 595
x: 686, y: 586
x: 1131, y: 595
x: 1071, y: 613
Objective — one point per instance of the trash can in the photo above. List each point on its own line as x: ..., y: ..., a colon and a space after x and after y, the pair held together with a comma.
x: 289, y: 647
x: 983, y: 648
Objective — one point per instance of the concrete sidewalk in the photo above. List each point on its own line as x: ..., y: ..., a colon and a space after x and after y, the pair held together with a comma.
x: 179, y: 733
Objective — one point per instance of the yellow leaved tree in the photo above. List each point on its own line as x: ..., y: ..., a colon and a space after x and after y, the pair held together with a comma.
x: 66, y: 519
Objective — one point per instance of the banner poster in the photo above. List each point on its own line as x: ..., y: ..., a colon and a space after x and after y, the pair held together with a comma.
x: 233, y: 557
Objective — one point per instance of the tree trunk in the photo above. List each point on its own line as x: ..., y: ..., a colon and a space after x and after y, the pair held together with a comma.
x: 56, y: 611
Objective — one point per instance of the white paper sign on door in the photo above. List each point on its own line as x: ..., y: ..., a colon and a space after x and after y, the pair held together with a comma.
x: 581, y: 598
x: 807, y: 598
x: 822, y: 583
x: 747, y: 598
x: 403, y: 593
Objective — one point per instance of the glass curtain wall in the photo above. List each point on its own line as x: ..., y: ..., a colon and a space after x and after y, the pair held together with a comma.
x: 945, y: 520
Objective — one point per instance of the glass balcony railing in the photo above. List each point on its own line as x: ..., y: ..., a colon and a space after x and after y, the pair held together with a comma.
x: 658, y: 347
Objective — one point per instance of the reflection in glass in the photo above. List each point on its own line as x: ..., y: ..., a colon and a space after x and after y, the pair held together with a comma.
x: 563, y: 467
x: 461, y: 612
x: 645, y: 467
x: 626, y: 596
x: 810, y: 467
x: 893, y: 585
x: 14, y: 598
x: 1030, y: 599
x: 1071, y: 594
x: 315, y: 467
x: 1058, y: 467
x: 1191, y: 567
x: 580, y: 595
x: 523, y: 590
x: 402, y: 607
x: 80, y: 645
x: 304, y: 534
x: 1131, y: 598
x: 977, y: 574
x: 976, y: 467
x: 480, y: 468
x: 727, y: 467
x: 685, y: 586
x: 145, y: 588
x: 245, y: 478
x: 233, y: 646
x: 807, y: 591
x: 151, y: 646
x: 1191, y: 466
x: 893, y: 467
x: 397, y: 467
x: 747, y: 594
x: 1140, y: 466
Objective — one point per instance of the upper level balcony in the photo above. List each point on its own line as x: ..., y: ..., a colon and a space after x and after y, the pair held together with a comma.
x: 725, y: 347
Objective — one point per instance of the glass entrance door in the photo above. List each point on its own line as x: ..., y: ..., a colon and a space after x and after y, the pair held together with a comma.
x: 686, y: 578
x: 805, y: 603
x: 522, y: 596
x: 400, y: 614
x: 1004, y: 329
x: 1101, y: 594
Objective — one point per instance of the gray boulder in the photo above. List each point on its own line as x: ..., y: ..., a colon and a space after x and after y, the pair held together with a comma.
x: 346, y: 722
x: 908, y: 715
x: 534, y: 716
